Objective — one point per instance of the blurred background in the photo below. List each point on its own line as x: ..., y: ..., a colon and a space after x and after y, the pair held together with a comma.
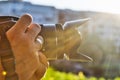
x: 101, y: 34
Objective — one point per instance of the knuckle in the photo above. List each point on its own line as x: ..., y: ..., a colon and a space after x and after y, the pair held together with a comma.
x: 37, y: 26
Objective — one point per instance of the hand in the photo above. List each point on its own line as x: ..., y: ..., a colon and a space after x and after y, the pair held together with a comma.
x: 30, y: 63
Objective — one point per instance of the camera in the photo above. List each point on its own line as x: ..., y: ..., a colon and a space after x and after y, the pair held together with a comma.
x: 60, y: 41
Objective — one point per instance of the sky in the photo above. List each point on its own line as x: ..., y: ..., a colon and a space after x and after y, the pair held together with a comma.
x: 110, y: 6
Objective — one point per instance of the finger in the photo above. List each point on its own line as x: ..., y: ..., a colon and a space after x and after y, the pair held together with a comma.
x: 43, y: 59
x: 43, y: 66
x: 33, y: 31
x: 23, y: 23
x: 39, y: 42
x: 40, y: 72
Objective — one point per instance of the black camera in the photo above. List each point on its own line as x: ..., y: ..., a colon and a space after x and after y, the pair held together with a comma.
x: 60, y: 41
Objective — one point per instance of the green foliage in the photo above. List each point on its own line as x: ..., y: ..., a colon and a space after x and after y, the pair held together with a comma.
x: 92, y: 78
x: 117, y: 78
x: 101, y: 78
x: 56, y: 75
x: 52, y: 74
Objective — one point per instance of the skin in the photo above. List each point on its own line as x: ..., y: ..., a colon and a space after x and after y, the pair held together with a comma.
x: 31, y: 64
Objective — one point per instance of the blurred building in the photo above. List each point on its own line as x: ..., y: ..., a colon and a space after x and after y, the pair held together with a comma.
x: 40, y: 13
x: 107, y: 27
